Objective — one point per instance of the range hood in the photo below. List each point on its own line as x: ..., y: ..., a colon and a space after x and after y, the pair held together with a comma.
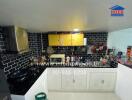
x: 17, y: 39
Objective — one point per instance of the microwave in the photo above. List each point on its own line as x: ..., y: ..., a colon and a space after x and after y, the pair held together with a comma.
x: 57, y: 59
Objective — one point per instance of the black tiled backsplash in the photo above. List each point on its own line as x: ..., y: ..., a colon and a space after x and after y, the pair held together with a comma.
x: 37, y: 41
x: 2, y: 41
x: 92, y: 38
x: 96, y: 37
x: 68, y: 50
x: 45, y: 40
x: 91, y: 57
x: 12, y: 62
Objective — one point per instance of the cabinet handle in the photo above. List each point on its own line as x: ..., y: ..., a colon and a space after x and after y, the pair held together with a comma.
x: 102, y: 81
x: 73, y: 81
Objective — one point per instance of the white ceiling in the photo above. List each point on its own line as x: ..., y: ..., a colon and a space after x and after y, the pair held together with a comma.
x: 64, y: 15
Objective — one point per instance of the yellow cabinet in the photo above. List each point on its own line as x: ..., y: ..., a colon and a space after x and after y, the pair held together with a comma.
x: 77, y: 39
x: 22, y: 39
x: 65, y: 40
x: 54, y: 39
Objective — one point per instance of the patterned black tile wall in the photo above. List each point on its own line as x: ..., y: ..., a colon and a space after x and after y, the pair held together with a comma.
x: 45, y: 40
x: 96, y: 37
x: 35, y: 43
x: 91, y: 57
x: 2, y: 40
x: 11, y: 62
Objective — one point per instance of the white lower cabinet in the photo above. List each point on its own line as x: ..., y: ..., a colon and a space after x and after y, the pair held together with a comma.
x: 102, y: 81
x: 54, y: 79
x: 67, y: 79
x: 74, y: 79
x: 81, y: 79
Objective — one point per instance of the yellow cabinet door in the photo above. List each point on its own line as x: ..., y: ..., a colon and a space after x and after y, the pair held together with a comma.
x: 54, y: 39
x: 65, y: 40
x: 77, y: 39
x: 22, y: 39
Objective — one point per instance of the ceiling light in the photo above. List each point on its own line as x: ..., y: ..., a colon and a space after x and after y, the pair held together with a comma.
x: 75, y: 29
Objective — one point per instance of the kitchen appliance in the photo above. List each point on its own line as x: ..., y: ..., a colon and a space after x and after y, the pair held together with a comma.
x: 57, y: 59
x: 17, y: 39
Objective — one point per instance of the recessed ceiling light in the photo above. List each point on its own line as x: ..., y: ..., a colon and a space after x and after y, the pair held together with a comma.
x: 75, y: 29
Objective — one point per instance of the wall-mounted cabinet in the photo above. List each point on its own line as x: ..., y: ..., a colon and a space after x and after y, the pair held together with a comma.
x: 77, y: 39
x: 54, y: 39
x: 66, y: 39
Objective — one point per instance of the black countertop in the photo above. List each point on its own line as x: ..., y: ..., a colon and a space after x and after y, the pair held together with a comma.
x: 82, y: 65
x: 20, y: 88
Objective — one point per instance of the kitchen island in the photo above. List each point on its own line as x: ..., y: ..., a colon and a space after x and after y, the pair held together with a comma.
x: 61, y: 78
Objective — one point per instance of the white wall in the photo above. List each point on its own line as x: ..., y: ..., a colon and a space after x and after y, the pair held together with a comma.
x: 120, y: 39
x: 124, y: 82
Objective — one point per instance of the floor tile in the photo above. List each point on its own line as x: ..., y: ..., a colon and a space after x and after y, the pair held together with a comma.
x: 81, y: 96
